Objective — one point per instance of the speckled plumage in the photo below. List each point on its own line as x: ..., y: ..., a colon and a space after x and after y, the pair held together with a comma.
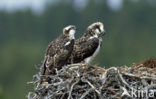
x: 86, y: 46
x: 58, y: 52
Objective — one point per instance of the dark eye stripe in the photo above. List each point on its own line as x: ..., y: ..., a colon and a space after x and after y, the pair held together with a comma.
x: 70, y: 28
x: 98, y: 28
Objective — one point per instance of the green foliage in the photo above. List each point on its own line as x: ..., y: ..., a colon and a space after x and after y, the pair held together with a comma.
x: 130, y: 37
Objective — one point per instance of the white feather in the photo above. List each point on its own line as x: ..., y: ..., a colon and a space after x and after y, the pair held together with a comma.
x: 102, y: 28
x: 68, y: 27
x: 67, y: 43
x: 95, y: 36
x: 72, y: 34
x: 97, y: 31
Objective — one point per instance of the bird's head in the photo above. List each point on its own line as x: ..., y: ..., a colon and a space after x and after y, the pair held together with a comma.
x: 70, y: 31
x: 95, y: 29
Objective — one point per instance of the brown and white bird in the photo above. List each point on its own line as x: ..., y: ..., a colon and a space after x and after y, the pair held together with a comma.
x: 87, y: 47
x: 59, y: 51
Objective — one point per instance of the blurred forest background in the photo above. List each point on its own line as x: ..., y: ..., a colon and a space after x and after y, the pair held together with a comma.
x: 24, y: 36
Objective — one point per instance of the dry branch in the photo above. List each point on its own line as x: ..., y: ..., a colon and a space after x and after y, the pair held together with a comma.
x: 80, y: 81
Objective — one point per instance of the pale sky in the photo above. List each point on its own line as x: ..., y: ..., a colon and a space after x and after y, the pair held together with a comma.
x: 38, y: 5
x: 11, y: 5
x: 115, y: 4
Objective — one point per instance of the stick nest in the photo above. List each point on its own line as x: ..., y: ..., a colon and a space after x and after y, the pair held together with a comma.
x: 80, y: 81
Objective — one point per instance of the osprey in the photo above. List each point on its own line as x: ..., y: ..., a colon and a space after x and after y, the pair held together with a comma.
x: 87, y: 47
x: 59, y: 51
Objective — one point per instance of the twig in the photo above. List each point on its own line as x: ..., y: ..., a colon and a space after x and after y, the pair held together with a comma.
x: 69, y: 96
x: 123, y: 81
x: 80, y: 81
x: 92, y: 86
x: 150, y: 86
x: 84, y: 94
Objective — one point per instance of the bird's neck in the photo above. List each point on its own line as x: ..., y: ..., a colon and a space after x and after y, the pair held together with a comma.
x: 63, y: 36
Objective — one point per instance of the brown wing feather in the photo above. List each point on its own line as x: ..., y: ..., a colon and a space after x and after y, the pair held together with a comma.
x: 83, y: 48
x: 55, y: 46
x: 57, y: 54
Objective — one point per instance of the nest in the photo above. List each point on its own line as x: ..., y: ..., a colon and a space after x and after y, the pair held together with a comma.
x: 81, y: 81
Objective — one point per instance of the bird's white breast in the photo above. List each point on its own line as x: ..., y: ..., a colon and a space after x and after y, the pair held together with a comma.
x: 72, y: 34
